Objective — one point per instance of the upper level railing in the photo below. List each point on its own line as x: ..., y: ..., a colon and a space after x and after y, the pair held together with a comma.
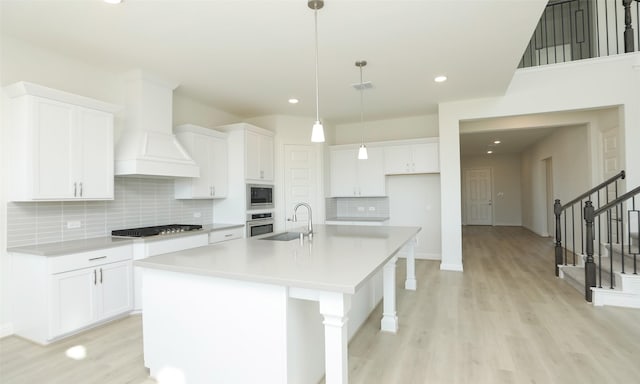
x: 571, y: 30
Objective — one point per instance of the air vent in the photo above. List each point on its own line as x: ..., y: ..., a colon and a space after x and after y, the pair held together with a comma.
x: 362, y: 86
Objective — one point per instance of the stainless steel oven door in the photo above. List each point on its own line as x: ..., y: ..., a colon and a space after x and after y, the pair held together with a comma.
x: 259, y: 227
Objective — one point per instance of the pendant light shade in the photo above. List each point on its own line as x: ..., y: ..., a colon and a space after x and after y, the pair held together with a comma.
x: 362, y: 152
x: 317, y: 133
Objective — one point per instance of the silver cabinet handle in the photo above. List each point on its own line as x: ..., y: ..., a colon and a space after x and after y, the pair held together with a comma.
x: 95, y: 277
x: 80, y: 189
x: 97, y: 258
x: 100, y: 275
x: 213, y: 190
x: 262, y: 174
x: 75, y: 189
x: 228, y: 235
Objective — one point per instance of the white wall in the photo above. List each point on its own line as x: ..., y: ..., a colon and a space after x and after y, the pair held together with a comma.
x: 506, y: 187
x: 585, y: 84
x: 414, y: 200
x: 411, y: 127
x: 571, y: 173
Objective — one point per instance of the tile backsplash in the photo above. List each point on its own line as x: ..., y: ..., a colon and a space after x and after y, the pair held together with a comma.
x: 337, y: 207
x: 138, y: 202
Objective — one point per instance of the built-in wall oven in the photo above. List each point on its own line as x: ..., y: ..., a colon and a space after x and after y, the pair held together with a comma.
x: 259, y: 223
x: 259, y: 196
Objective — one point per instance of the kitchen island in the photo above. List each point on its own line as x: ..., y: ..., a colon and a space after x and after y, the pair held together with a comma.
x: 248, y: 310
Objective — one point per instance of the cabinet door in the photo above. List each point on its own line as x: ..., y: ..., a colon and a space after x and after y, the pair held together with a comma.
x: 115, y: 293
x: 219, y: 167
x: 200, y: 151
x: 95, y: 166
x: 371, y: 181
x: 73, y: 304
x: 426, y: 158
x: 252, y: 156
x: 53, y: 149
x: 397, y: 159
x: 344, y: 173
x: 266, y: 158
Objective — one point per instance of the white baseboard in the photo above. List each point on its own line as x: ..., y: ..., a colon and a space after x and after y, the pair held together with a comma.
x: 451, y: 267
x: 6, y: 330
x: 604, y: 296
x: 422, y: 255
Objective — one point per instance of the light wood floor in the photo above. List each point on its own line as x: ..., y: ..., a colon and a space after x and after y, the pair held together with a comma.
x: 505, y: 319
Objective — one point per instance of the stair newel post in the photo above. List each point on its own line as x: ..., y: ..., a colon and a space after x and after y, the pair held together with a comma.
x: 557, y: 210
x: 590, y: 265
x: 628, y: 29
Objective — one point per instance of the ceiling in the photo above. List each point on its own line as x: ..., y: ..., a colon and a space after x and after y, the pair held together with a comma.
x: 249, y: 57
x: 512, y: 141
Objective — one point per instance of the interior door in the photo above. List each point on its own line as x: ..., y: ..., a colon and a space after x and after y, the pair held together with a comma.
x: 300, y: 182
x: 478, y: 203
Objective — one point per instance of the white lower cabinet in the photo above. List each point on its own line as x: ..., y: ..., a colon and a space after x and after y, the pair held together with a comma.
x: 56, y: 296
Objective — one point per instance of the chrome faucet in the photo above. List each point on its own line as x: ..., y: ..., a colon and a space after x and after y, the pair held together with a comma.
x: 295, y: 218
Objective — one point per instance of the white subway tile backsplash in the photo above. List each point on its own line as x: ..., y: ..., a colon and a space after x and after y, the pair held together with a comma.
x: 357, y: 207
x: 137, y: 202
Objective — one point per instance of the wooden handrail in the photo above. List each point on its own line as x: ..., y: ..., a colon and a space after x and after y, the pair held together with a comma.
x: 620, y: 175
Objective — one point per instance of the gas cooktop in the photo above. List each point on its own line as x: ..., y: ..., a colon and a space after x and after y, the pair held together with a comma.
x: 168, y: 229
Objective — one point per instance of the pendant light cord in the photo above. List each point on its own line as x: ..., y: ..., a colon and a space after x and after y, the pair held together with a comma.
x: 361, y: 108
x: 315, y: 13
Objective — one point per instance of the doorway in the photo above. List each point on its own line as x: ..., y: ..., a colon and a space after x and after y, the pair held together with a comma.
x: 478, y: 196
x: 299, y: 182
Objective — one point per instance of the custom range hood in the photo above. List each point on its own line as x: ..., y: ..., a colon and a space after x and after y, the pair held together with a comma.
x: 147, y: 146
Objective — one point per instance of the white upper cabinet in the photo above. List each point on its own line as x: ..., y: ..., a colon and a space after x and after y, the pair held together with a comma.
x: 208, y: 148
x: 61, y: 145
x: 419, y: 156
x: 259, y: 156
x: 351, y: 177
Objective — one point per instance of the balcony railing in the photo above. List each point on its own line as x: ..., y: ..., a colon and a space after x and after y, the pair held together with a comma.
x: 581, y: 29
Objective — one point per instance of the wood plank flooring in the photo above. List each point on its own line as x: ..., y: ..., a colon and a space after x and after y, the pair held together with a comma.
x: 505, y: 319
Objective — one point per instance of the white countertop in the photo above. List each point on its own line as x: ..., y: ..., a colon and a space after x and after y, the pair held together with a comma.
x: 96, y: 243
x: 357, y: 218
x: 338, y: 258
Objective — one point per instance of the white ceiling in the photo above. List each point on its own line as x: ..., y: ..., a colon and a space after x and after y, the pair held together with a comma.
x: 511, y: 141
x: 248, y: 57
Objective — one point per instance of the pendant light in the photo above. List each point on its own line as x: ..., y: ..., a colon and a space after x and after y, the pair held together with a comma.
x: 362, y: 152
x: 317, y: 133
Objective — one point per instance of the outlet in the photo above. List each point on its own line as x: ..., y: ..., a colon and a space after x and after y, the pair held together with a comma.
x: 197, y: 214
x: 73, y: 224
x: 372, y: 209
x: 360, y: 209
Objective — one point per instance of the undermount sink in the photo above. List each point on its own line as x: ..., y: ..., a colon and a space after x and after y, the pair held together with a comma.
x: 284, y: 236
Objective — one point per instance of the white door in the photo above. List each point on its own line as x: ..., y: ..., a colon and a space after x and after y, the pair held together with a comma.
x: 300, y: 182
x: 478, y: 203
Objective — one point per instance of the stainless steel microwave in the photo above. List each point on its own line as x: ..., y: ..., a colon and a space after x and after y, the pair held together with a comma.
x: 259, y: 196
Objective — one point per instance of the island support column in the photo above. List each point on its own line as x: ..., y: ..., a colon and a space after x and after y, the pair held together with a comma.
x: 389, y: 322
x: 411, y: 283
x: 334, y: 308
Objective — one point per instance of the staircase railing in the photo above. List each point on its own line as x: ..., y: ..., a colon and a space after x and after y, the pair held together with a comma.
x: 571, y: 30
x: 626, y: 203
x: 604, y: 193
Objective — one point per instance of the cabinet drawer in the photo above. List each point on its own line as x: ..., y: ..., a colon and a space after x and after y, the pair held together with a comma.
x: 76, y: 261
x: 226, y: 234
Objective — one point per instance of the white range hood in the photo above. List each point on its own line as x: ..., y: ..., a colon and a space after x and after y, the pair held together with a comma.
x: 147, y: 146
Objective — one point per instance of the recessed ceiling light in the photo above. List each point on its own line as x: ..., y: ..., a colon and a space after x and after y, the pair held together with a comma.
x: 440, y: 79
x: 496, y: 142
x: 489, y: 152
x: 293, y: 101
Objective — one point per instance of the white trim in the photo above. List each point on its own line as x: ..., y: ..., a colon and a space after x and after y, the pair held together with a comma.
x: 451, y: 267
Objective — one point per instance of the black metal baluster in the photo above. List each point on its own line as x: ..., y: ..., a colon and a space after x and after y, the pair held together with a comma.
x: 599, y: 246
x: 610, y: 250
x: 573, y: 234
x: 557, y: 211
x: 582, y: 227
x: 589, y: 266
x: 622, y: 234
x: 565, y: 235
